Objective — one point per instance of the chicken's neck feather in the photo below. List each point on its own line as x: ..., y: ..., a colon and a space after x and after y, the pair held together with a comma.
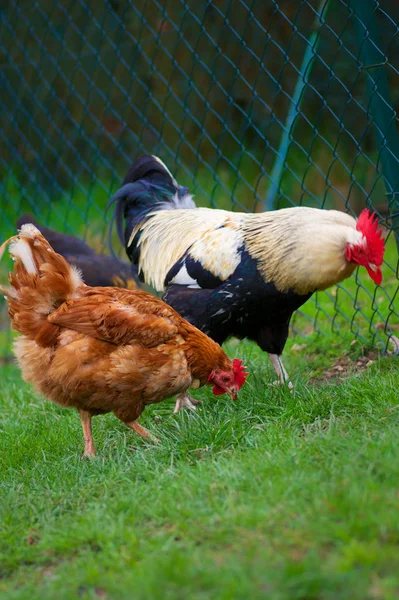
x: 202, y: 353
x: 166, y: 235
x: 301, y: 250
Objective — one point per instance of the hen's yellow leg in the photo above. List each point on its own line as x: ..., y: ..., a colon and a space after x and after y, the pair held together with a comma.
x: 85, y: 418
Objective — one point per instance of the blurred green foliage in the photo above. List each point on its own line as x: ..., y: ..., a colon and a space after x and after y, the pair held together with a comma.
x: 206, y: 85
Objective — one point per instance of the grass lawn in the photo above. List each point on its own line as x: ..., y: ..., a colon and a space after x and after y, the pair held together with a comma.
x: 280, y: 496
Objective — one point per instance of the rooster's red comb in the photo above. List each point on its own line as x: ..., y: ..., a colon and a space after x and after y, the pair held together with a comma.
x: 367, y: 224
x: 240, y: 373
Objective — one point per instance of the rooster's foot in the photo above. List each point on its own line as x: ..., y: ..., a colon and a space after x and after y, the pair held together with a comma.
x: 280, y: 370
x: 289, y: 384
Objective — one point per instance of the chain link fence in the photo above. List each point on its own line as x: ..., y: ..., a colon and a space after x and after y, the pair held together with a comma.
x: 252, y: 105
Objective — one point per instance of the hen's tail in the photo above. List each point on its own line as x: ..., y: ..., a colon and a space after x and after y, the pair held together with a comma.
x: 42, y: 280
x: 148, y: 187
x: 96, y: 269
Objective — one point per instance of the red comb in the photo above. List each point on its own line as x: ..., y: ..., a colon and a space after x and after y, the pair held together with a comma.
x: 367, y: 224
x: 240, y: 374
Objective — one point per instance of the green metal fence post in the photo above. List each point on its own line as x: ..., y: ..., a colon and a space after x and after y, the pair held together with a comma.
x: 295, y: 108
x: 373, y: 62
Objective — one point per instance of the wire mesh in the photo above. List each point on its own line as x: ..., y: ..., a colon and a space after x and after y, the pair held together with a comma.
x: 252, y: 105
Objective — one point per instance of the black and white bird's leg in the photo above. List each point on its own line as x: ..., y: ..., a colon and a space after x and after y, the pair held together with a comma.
x: 271, y: 339
x: 280, y: 370
x: 186, y: 401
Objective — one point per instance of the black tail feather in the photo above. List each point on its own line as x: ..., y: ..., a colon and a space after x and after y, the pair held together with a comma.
x: 152, y: 169
x: 148, y: 186
x: 96, y: 269
x: 61, y: 242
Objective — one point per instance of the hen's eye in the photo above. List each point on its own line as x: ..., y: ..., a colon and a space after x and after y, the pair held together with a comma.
x: 225, y: 378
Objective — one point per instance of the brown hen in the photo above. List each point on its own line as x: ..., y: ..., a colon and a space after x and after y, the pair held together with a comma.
x: 103, y: 349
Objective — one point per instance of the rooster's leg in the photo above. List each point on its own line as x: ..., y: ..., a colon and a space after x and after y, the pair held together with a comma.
x: 85, y: 418
x: 142, y: 431
x: 280, y: 370
x: 185, y: 401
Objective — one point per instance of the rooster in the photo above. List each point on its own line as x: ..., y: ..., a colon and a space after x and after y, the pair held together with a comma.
x: 96, y: 269
x: 103, y: 349
x: 237, y: 274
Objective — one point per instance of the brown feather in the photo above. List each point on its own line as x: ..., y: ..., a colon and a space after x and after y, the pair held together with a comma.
x: 99, y: 349
x: 113, y: 322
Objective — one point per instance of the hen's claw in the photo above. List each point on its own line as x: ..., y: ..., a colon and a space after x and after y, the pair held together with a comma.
x: 185, y: 401
x: 87, y: 454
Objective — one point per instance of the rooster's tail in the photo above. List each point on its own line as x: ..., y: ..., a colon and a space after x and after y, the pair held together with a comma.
x: 148, y: 187
x: 42, y: 280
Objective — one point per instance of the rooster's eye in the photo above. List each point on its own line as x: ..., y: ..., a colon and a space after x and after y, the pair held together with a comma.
x: 225, y: 379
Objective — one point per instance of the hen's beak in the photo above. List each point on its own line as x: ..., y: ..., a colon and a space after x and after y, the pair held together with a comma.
x: 233, y: 393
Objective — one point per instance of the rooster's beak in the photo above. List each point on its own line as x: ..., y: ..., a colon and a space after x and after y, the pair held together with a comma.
x: 375, y: 273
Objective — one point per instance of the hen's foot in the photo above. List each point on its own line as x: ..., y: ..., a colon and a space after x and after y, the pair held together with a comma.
x: 185, y: 401
x: 88, y: 453
x: 142, y: 431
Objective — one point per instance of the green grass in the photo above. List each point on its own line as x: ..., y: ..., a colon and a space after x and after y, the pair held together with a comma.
x: 280, y: 496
